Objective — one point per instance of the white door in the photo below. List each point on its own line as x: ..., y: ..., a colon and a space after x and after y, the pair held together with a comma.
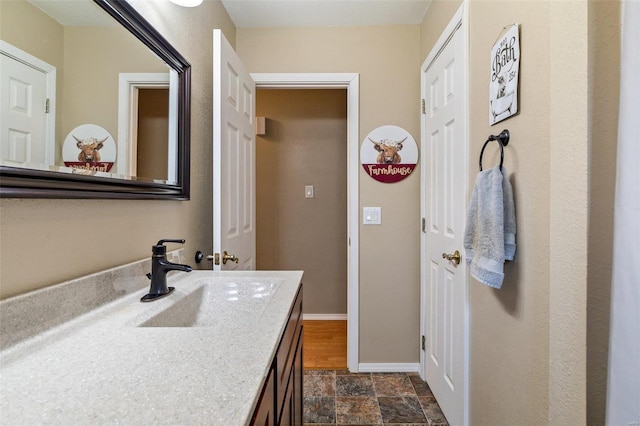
x: 26, y: 132
x: 443, y: 199
x: 234, y: 211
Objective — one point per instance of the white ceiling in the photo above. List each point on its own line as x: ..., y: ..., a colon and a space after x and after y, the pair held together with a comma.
x: 323, y: 13
x: 267, y: 13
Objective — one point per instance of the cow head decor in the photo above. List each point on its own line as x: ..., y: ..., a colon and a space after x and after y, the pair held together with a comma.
x: 89, y: 149
x: 380, y: 154
x: 388, y: 150
x: 98, y: 150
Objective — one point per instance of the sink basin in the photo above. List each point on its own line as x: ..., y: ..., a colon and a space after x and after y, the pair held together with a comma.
x: 207, y: 301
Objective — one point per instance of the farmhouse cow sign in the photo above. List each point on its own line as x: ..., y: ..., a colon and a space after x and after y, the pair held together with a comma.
x: 389, y: 154
x: 89, y: 149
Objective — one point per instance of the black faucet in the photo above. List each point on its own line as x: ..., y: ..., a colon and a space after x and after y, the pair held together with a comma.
x: 159, y: 268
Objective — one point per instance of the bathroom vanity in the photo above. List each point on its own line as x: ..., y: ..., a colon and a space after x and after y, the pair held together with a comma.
x: 225, y: 348
x: 281, y: 397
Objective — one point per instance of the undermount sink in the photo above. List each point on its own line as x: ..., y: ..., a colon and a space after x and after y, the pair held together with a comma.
x: 210, y: 300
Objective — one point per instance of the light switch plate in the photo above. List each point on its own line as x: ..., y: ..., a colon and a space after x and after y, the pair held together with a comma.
x: 372, y: 215
x: 308, y: 191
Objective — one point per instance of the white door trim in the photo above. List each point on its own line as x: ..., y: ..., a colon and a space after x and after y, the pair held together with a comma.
x: 128, y: 85
x: 349, y: 81
x: 49, y: 70
x: 459, y: 22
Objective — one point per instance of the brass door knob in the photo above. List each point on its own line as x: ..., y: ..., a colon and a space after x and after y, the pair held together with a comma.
x: 455, y: 257
x: 228, y: 257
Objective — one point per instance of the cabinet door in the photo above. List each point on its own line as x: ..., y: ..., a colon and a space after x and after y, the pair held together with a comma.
x: 298, y: 380
x: 265, y: 412
x: 286, y: 351
x: 286, y: 416
x: 292, y: 407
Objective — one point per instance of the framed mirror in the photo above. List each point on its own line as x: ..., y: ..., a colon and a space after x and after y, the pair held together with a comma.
x: 96, y: 103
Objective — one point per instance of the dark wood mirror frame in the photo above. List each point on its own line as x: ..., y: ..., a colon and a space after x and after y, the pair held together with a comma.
x: 30, y: 183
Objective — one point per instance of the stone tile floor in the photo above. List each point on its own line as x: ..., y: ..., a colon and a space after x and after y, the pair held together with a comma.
x: 338, y: 397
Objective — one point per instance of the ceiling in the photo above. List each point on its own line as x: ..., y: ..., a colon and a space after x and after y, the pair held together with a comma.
x: 268, y: 13
x: 324, y: 13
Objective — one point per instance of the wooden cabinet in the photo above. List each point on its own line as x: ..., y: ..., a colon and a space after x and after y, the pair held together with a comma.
x: 265, y: 412
x: 281, y: 400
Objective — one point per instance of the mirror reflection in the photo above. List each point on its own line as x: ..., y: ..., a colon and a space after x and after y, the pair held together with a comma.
x: 81, y: 94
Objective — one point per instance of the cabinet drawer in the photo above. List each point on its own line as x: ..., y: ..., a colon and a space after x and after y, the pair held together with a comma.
x: 286, y: 350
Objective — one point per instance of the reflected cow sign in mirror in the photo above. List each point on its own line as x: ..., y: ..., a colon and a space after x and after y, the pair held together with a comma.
x: 89, y: 148
x: 389, y: 154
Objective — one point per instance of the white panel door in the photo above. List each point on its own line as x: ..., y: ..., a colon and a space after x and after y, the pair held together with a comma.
x: 234, y: 210
x: 443, y: 198
x: 23, y: 95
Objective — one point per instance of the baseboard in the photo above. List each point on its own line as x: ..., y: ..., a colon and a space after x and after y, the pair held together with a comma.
x: 375, y: 367
x: 324, y: 317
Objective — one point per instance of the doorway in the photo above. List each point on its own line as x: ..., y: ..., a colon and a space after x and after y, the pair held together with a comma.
x: 153, y: 121
x: 134, y: 88
x: 350, y: 82
x: 301, y: 192
x: 301, y: 207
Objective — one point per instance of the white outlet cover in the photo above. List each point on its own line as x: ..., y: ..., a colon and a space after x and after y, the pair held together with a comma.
x: 372, y: 215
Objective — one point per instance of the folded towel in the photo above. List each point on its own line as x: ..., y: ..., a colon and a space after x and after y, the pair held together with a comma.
x: 490, y: 235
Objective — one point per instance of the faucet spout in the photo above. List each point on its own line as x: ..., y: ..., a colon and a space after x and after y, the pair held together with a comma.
x: 160, y: 266
x: 168, y: 266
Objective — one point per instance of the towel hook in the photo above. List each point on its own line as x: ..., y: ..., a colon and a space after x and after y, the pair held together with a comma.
x: 503, y: 139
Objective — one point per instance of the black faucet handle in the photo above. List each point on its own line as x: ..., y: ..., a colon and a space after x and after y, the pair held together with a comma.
x: 160, y: 249
x: 161, y: 242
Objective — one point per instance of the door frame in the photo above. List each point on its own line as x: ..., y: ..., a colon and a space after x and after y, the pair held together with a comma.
x: 349, y: 81
x: 128, y: 86
x: 459, y: 22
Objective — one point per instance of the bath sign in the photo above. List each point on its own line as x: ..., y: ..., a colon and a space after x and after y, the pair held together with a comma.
x: 505, y: 64
x: 89, y: 148
x: 389, y: 154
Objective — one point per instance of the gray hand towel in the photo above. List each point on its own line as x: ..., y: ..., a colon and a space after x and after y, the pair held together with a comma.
x: 489, y: 237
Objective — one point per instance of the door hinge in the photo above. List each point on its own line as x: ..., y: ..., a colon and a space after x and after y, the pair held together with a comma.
x: 47, y: 105
x: 424, y: 339
x: 424, y: 225
x: 216, y: 258
x: 424, y: 107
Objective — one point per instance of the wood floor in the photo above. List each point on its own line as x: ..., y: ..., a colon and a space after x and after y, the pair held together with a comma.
x: 325, y: 345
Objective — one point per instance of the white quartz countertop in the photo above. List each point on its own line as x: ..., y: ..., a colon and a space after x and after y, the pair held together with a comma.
x: 197, y: 356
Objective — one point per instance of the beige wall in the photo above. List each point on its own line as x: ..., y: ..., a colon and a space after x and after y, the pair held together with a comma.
x: 44, y: 40
x: 28, y: 28
x: 48, y: 241
x: 509, y: 332
x: 92, y: 55
x: 435, y: 21
x: 82, y: 56
x: 305, y: 144
x: 529, y: 340
x: 387, y: 59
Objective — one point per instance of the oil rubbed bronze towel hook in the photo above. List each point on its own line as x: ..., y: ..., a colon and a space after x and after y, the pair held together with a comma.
x: 503, y: 139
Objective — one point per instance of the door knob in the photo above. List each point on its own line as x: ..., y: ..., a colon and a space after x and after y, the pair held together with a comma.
x: 228, y: 257
x: 455, y: 257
